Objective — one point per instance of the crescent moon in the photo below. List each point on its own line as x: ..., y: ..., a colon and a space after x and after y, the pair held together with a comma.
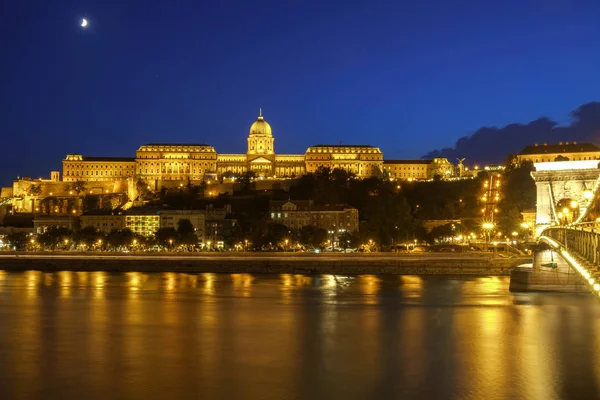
x: 84, y: 23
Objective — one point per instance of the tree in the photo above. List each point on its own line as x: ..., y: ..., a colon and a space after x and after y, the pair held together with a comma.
x: 388, y: 219
x: 275, y: 234
x: 166, y: 237
x: 17, y: 240
x: 88, y: 236
x: 444, y: 232
x: 120, y: 238
x: 186, y: 232
x: 56, y: 236
x: 77, y: 186
x: 34, y: 190
x: 312, y: 236
x: 349, y: 240
x: 184, y: 227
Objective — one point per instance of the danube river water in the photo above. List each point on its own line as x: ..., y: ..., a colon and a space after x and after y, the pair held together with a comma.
x: 189, y: 336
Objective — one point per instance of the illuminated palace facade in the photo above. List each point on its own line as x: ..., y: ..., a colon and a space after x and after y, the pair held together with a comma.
x: 160, y: 163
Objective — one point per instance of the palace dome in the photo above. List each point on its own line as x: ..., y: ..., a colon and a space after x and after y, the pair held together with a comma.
x: 260, y: 127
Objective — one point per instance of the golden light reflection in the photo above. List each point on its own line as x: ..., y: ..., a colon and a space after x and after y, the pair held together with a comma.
x: 286, y: 287
x: 412, y: 286
x: 303, y: 280
x: 99, y: 279
x: 533, y: 345
x: 242, y: 283
x: 32, y: 279
x: 369, y: 285
x: 65, y: 279
x: 2, y: 279
x: 171, y: 281
x: 135, y: 280
x: 209, y: 283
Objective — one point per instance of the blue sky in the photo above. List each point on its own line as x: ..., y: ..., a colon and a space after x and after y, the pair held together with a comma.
x: 407, y: 76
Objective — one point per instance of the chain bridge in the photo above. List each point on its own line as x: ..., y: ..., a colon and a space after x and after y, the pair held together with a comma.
x: 568, y: 219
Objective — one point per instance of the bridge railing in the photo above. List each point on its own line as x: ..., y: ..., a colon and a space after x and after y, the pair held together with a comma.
x: 580, y: 239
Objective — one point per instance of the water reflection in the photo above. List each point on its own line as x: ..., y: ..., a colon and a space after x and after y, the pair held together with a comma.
x: 323, y: 336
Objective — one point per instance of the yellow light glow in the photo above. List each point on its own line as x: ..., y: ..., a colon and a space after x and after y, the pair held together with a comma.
x: 588, y: 194
x: 573, y: 204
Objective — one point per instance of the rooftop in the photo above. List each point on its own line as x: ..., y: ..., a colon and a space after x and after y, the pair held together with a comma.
x: 566, y: 147
x: 407, y: 161
x: 109, y: 159
x: 344, y: 145
x: 307, y: 205
x: 176, y: 145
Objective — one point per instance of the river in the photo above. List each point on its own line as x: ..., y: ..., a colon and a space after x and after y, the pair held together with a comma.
x: 98, y: 335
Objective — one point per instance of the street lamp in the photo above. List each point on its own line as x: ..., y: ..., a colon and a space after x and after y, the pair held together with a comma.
x: 170, y: 244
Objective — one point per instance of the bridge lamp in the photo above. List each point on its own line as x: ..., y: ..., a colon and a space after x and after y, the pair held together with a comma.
x: 588, y: 194
x: 560, y: 215
x: 597, y: 287
x: 487, y: 225
x: 591, y: 281
x: 515, y: 233
x: 573, y: 204
x: 566, y: 211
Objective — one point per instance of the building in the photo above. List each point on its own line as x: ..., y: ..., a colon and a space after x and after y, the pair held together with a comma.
x: 362, y: 160
x: 171, y: 218
x: 143, y: 221
x: 300, y: 213
x: 559, y: 152
x: 406, y: 169
x: 102, y: 220
x: 77, y: 167
x: 418, y: 169
x: 164, y: 164
x: 42, y: 223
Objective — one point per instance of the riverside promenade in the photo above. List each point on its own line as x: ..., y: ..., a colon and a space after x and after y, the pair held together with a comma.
x: 266, y: 263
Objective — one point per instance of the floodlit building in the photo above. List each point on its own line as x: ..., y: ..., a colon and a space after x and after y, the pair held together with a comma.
x: 418, y: 169
x: 102, y: 220
x: 143, y: 221
x: 156, y: 164
x: 171, y: 218
x: 300, y: 213
x: 362, y: 160
x: 559, y: 152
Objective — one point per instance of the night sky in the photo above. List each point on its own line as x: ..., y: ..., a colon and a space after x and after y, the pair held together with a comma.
x: 407, y: 76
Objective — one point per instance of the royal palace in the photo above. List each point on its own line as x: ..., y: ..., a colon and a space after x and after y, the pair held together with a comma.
x: 169, y: 165
x: 160, y: 163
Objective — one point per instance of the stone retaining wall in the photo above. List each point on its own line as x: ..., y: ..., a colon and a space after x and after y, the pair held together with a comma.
x: 270, y: 265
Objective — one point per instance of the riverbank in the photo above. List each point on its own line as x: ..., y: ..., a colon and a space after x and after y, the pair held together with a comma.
x: 267, y: 263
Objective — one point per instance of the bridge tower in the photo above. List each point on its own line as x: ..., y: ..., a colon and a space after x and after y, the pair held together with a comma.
x: 565, y: 190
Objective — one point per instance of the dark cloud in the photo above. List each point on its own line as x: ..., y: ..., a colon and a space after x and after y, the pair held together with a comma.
x: 493, y: 145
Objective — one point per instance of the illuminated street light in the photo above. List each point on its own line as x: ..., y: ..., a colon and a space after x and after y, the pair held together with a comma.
x: 588, y: 194
x: 488, y: 225
x: 573, y: 204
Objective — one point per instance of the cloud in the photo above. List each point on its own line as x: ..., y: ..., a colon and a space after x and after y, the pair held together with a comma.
x: 493, y: 145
